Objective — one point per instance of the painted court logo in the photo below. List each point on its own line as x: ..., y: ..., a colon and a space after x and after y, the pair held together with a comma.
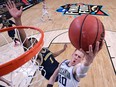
x: 80, y: 8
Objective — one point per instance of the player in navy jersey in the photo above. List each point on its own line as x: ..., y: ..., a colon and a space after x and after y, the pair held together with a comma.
x: 46, y: 58
x: 9, y: 23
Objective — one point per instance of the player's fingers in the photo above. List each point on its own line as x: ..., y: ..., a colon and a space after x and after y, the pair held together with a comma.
x: 90, y: 50
x: 21, y: 8
x: 96, y: 47
x: 9, y: 4
x: 13, y: 4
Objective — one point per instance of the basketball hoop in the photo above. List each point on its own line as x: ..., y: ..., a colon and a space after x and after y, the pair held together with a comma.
x: 16, y: 64
x: 22, y: 59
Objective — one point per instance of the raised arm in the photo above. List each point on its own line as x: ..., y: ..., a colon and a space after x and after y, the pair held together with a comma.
x: 60, y: 51
x: 89, y: 57
x: 16, y: 14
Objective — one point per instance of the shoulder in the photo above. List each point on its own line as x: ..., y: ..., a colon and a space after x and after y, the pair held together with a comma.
x: 64, y: 62
x: 45, y: 49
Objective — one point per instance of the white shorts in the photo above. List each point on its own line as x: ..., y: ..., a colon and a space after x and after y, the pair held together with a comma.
x: 44, y: 11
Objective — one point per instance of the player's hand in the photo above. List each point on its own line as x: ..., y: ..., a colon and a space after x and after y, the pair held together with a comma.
x: 13, y: 10
x: 65, y: 46
x: 90, y: 55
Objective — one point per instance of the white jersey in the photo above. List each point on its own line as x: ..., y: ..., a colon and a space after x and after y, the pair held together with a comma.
x: 65, y: 76
x: 44, y: 10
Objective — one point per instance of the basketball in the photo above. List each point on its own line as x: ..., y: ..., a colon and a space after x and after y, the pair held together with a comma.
x: 85, y: 30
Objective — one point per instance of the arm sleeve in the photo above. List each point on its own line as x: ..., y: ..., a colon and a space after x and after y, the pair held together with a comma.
x: 81, y: 71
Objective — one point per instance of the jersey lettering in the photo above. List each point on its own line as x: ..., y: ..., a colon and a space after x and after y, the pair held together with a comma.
x: 47, y: 56
x: 62, y: 80
x: 51, y: 60
x: 64, y: 72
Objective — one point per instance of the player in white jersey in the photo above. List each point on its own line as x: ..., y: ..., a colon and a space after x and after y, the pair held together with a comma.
x: 44, y: 11
x: 71, y: 71
x: 65, y: 75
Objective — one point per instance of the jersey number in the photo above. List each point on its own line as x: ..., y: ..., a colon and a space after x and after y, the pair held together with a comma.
x: 62, y: 80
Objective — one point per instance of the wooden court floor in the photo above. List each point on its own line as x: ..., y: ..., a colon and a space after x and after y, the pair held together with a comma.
x: 103, y: 70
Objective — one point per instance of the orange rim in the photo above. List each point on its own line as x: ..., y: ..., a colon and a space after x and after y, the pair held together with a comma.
x: 22, y: 59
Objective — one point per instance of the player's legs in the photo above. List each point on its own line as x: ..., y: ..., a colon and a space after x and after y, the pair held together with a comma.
x: 48, y: 16
x: 45, y: 13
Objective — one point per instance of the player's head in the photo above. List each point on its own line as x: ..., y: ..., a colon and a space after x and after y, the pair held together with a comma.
x: 32, y: 40
x: 77, y: 57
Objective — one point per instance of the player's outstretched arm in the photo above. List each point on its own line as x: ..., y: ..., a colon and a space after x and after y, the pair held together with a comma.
x: 16, y: 14
x: 89, y: 57
x: 60, y: 51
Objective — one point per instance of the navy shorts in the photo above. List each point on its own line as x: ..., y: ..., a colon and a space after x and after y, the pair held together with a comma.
x: 11, y: 33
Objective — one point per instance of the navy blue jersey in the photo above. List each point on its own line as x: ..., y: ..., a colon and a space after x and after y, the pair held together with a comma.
x: 48, y: 62
x: 9, y: 23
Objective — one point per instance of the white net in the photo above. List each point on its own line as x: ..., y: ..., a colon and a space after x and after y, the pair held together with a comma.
x: 29, y: 73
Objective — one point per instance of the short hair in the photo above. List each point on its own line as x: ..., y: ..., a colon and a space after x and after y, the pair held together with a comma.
x: 32, y: 41
x: 33, y: 38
